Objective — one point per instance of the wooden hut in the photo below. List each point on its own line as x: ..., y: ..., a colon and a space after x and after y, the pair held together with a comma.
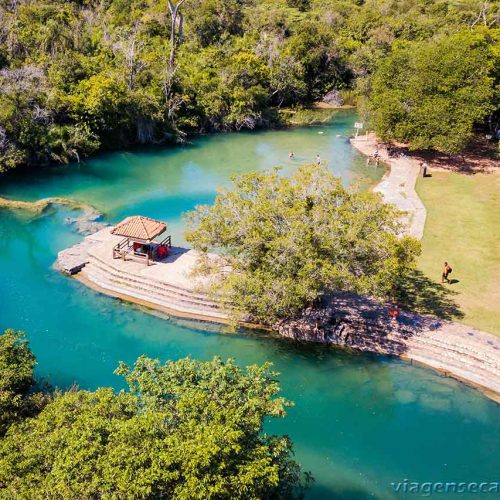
x: 139, y: 239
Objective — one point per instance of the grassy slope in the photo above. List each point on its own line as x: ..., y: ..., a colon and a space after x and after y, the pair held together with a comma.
x: 463, y: 227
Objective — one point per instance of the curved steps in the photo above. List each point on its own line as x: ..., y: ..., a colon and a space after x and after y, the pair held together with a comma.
x: 96, y: 259
x: 153, y: 286
x: 456, y: 350
x: 156, y: 292
x: 471, y: 365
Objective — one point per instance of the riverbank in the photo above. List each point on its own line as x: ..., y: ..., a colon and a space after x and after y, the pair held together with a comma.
x: 398, y: 185
x: 456, y: 350
x: 359, y: 323
x: 374, y: 331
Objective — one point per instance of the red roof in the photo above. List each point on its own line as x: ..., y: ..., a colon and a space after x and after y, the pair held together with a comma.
x: 140, y: 228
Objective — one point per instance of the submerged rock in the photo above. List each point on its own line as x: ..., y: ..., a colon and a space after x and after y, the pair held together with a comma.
x: 88, y: 222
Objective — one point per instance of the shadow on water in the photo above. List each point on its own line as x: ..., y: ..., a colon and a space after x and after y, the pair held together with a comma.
x: 419, y: 293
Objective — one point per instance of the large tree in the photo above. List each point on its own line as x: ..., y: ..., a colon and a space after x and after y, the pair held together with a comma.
x: 431, y: 94
x: 183, y: 430
x: 290, y: 241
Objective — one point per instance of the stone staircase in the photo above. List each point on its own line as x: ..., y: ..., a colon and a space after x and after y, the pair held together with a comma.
x: 166, y: 295
x: 473, y: 361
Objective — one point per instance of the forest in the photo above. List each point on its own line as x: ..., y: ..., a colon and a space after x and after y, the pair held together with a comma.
x: 80, y: 76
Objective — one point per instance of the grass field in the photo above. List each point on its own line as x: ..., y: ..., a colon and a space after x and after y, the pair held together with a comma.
x: 463, y: 228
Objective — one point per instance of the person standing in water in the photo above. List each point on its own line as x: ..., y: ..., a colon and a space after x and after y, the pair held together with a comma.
x: 446, y: 272
x: 318, y: 159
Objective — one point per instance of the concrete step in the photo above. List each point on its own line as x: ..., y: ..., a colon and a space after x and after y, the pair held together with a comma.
x: 152, y: 285
x: 167, y: 301
x: 472, y: 355
x: 477, y: 375
x: 438, y: 357
x: 92, y: 257
x: 182, y: 307
x: 97, y: 274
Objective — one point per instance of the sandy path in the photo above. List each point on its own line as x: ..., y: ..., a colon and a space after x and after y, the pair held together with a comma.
x: 398, y: 186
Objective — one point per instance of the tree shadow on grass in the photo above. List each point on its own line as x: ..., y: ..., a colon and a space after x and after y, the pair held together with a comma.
x: 420, y: 294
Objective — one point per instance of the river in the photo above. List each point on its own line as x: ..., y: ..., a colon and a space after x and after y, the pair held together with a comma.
x: 359, y: 423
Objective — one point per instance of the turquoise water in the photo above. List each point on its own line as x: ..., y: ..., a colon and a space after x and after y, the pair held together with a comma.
x: 359, y: 423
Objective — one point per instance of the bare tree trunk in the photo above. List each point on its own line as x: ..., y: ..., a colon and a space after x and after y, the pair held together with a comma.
x: 176, y: 33
x: 482, y: 15
x: 181, y: 28
x: 174, y: 14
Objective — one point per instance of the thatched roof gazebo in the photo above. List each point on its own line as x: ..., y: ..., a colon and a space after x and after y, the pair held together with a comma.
x: 139, y: 233
x: 140, y: 228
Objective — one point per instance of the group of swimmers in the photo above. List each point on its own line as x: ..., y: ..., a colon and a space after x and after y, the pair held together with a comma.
x: 291, y: 155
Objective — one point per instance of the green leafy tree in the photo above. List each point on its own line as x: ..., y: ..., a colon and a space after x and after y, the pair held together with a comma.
x: 290, y: 241
x: 16, y: 377
x: 431, y: 94
x: 184, y: 430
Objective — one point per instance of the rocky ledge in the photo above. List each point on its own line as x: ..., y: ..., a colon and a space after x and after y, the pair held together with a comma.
x: 350, y: 321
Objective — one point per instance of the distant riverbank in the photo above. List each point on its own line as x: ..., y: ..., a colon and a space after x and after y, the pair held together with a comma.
x: 398, y: 185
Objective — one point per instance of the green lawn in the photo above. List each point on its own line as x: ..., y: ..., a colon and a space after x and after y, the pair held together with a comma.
x: 463, y: 227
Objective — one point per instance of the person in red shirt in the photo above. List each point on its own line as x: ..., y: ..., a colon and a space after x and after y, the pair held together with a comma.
x: 394, y: 312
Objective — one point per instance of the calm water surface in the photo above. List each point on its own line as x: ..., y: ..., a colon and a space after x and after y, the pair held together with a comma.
x: 360, y: 422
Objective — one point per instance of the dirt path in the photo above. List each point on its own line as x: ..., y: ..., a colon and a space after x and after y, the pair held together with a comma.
x: 398, y: 186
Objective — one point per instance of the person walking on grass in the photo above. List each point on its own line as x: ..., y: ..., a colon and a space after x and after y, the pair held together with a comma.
x: 446, y: 272
x: 423, y: 169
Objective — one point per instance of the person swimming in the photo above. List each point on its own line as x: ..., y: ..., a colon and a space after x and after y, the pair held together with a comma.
x: 291, y: 155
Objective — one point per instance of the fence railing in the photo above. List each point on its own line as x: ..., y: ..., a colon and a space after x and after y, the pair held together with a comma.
x: 156, y: 250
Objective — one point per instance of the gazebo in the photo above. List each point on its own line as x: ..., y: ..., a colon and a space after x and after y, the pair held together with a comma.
x: 139, y: 234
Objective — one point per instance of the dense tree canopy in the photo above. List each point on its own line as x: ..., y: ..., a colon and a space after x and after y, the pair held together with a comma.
x: 16, y: 378
x: 77, y: 76
x: 184, y: 430
x: 290, y: 241
x: 430, y: 94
